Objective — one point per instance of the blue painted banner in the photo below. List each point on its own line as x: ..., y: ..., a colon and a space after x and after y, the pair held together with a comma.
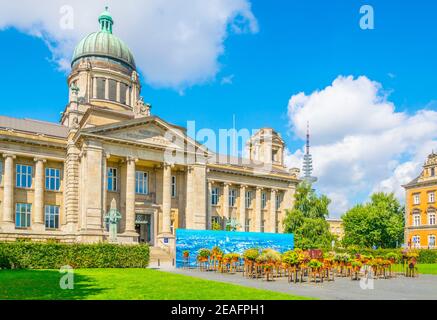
x: 238, y: 242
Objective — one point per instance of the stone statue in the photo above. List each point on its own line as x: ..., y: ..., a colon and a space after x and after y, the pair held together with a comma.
x: 142, y: 109
x: 232, y: 224
x: 112, y: 218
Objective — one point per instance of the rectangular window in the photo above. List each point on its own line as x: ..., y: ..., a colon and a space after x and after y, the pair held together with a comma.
x: 101, y: 88
x: 53, y: 179
x: 416, y: 241
x: 277, y: 226
x: 263, y: 200
x: 431, y: 218
x: 416, y: 199
x: 174, y: 189
x: 247, y: 226
x: 262, y: 225
x: 214, y: 196
x: 23, y: 215
x: 141, y: 182
x: 248, y: 199
x: 232, y: 197
x: 416, y: 220
x: 52, y: 217
x: 432, y: 172
x: 431, y: 197
x: 23, y: 176
x: 123, y: 90
x: 216, y: 220
x: 112, y: 95
x: 112, y: 179
x: 431, y: 241
x: 278, y: 202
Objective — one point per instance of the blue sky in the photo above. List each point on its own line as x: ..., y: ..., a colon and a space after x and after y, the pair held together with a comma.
x: 300, y: 46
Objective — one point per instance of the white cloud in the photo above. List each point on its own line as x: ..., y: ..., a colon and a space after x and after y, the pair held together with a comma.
x: 360, y: 143
x: 176, y: 43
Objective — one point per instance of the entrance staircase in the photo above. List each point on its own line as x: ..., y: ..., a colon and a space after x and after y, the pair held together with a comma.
x: 160, y: 258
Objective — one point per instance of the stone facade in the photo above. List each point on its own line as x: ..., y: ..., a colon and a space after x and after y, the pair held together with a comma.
x: 58, y: 180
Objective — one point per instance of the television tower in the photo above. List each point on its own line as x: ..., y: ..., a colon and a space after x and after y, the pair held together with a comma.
x: 308, y: 161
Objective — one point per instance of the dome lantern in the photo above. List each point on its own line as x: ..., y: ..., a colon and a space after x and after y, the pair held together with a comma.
x: 106, y: 21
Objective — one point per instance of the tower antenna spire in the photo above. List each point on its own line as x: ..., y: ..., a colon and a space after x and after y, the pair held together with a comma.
x: 308, y: 160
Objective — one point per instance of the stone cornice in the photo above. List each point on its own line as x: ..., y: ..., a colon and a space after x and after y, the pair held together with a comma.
x: 251, y: 173
x: 33, y: 139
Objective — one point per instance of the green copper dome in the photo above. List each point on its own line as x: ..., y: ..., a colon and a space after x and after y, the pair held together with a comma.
x: 104, y: 44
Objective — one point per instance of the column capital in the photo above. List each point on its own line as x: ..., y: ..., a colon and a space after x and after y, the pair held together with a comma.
x: 227, y: 184
x: 259, y: 188
x: 166, y: 165
x: 274, y: 190
x: 131, y: 159
x: 9, y: 155
x: 245, y: 186
x: 39, y: 159
x: 107, y: 156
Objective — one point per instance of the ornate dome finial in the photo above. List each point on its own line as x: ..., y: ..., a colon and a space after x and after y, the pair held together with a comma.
x: 106, y: 21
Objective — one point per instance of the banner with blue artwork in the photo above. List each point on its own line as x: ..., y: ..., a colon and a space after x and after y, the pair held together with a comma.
x: 228, y: 241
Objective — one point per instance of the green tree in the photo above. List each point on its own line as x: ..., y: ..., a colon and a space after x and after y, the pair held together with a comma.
x: 307, y: 220
x: 378, y: 223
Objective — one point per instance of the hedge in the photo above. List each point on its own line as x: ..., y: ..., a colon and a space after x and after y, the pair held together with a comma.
x: 25, y: 255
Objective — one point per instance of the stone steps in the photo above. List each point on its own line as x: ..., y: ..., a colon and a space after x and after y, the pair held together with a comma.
x: 159, y: 254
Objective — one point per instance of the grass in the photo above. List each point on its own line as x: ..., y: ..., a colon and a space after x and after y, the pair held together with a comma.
x: 124, y: 284
x: 422, y: 267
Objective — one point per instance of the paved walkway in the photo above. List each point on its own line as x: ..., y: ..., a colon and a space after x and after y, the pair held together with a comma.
x: 400, y: 288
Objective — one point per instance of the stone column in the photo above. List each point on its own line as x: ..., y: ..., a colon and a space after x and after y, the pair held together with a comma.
x: 8, y: 192
x: 106, y: 89
x: 38, y: 220
x: 258, y: 210
x: 189, y: 208
x: 209, y: 213
x: 128, y: 100
x: 273, y: 216
x: 118, y: 92
x: 130, y: 195
x: 225, y: 203
x: 94, y: 87
x: 242, y: 207
x: 166, y: 199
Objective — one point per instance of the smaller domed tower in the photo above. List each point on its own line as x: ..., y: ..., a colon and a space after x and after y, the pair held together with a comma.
x: 103, y: 75
x: 266, y: 146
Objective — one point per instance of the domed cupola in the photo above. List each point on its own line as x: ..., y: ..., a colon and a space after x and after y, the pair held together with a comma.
x: 103, y: 45
x: 103, y: 76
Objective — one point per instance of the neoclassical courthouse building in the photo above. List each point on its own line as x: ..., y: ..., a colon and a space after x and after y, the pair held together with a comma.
x: 58, y: 181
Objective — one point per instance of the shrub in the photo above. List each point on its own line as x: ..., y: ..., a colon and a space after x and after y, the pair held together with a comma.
x: 290, y: 258
x: 315, y: 264
x: 33, y: 255
x: 251, y: 254
x: 427, y: 256
x: 204, y: 253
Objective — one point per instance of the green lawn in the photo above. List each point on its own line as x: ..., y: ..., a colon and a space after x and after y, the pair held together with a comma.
x: 124, y: 284
x: 423, y: 268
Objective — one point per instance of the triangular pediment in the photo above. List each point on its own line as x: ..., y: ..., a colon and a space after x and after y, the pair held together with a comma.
x: 150, y: 131
x: 143, y: 133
